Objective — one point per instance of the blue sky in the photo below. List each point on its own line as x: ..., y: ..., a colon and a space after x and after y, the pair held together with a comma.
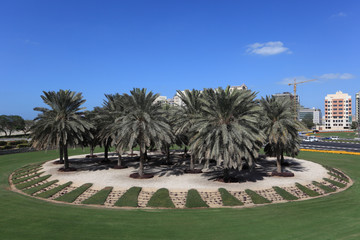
x: 98, y: 47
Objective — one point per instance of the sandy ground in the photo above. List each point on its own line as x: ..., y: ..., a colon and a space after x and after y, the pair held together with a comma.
x: 175, y: 180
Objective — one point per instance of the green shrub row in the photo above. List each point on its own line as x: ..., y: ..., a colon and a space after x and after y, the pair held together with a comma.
x: 256, y: 198
x: 17, y: 142
x: 32, y: 182
x: 34, y: 190
x: 27, y: 168
x: 194, y: 200
x: 3, y: 143
x: 52, y: 192
x: 100, y: 197
x: 161, y: 198
x: 285, y: 194
x: 327, y: 189
x: 22, y: 174
x: 335, y: 183
x: 338, y: 177
x: 19, y: 180
x: 306, y: 190
x: 74, y: 194
x: 129, y: 198
x: 228, y: 199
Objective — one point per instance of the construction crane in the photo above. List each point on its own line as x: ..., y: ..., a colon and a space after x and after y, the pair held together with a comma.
x: 295, y: 84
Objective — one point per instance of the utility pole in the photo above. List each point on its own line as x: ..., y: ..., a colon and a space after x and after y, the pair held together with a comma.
x: 295, y: 85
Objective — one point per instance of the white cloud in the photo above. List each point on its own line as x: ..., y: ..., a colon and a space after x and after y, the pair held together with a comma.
x: 340, y: 14
x: 267, y: 49
x: 326, y: 76
x: 343, y: 76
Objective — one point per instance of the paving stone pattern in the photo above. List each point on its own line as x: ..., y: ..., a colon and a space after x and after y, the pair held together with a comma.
x: 113, y: 197
x: 178, y: 198
x: 144, y: 197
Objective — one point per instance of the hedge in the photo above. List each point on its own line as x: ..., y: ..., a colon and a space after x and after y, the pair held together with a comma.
x: 129, y: 198
x: 194, y: 200
x: 161, y: 198
x: 100, y: 197
x: 228, y: 199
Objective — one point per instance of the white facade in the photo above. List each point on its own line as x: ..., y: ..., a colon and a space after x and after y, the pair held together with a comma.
x: 242, y: 87
x: 315, y: 114
x: 338, y: 111
x: 357, y: 106
x: 161, y: 99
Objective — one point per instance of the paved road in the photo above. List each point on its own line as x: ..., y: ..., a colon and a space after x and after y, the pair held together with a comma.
x: 350, y: 147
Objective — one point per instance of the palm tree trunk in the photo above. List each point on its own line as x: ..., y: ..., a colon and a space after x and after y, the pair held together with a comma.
x: 92, y: 150
x: 66, y: 158
x: 167, y: 154
x: 119, y: 163
x: 106, y: 152
x: 278, y: 163
x: 282, y: 157
x: 226, y: 174
x: 61, y: 150
x: 185, y: 151
x: 142, y: 159
x: 192, y: 162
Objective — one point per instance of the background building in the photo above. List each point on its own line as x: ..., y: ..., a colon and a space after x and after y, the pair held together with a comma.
x: 287, y: 95
x: 338, y: 111
x: 313, y: 113
x: 357, y: 106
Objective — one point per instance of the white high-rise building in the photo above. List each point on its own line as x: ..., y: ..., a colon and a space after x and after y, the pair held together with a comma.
x: 338, y: 111
x: 357, y: 106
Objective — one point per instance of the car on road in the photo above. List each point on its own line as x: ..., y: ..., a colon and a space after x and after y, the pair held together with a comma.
x: 311, y: 139
x: 334, y: 138
x: 315, y: 131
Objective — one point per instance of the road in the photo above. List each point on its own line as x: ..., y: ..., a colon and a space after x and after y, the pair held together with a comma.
x: 349, y: 147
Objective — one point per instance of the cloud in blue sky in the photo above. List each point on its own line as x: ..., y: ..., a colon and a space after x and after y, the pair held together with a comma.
x: 267, y: 49
x: 340, y: 14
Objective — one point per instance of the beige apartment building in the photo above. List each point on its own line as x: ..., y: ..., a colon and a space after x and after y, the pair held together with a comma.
x: 338, y: 111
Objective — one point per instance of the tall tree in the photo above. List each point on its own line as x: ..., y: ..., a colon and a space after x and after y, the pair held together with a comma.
x: 61, y: 125
x: 280, y: 128
x: 143, y: 123
x: 226, y: 128
x: 10, y: 123
x: 187, y: 115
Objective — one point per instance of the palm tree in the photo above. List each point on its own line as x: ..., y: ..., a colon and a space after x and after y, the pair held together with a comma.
x: 280, y: 128
x: 186, y: 116
x: 143, y: 123
x: 61, y: 125
x: 227, y: 128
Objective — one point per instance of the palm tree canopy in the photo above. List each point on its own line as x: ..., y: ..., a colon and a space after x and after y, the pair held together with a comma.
x: 227, y: 127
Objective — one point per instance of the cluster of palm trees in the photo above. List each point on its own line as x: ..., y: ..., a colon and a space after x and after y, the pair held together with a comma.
x: 225, y: 125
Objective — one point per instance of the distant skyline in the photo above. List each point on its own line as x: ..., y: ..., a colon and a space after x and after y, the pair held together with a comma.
x: 98, y: 47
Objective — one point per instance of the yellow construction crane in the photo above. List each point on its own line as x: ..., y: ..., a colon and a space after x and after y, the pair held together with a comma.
x: 295, y: 84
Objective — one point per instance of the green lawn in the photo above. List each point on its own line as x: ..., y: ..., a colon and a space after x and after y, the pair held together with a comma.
x: 349, y: 135
x: 332, y: 217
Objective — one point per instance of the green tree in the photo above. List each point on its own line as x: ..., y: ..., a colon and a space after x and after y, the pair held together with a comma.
x: 143, y: 123
x: 308, y: 121
x: 227, y: 128
x: 61, y: 125
x: 280, y: 128
x: 10, y: 123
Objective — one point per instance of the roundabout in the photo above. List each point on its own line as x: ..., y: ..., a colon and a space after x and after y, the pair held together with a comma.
x: 100, y: 184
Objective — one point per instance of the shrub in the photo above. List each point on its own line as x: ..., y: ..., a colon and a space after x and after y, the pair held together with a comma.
x: 335, y: 183
x: 52, y: 192
x: 23, y: 145
x: 129, y: 198
x: 99, y: 198
x: 33, y: 190
x: 327, y: 189
x: 73, y: 195
x: 3, y: 143
x: 17, y: 142
x: 32, y: 182
x: 8, y: 147
x: 23, y: 179
x: 256, y: 198
x: 306, y: 190
x: 228, y: 199
x: 194, y: 200
x: 284, y: 194
x: 161, y: 198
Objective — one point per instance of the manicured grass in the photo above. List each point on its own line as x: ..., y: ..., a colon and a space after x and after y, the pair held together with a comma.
x: 129, y: 198
x: 19, y: 180
x: 74, y: 194
x: 349, y: 135
x: 20, y: 175
x: 307, y: 191
x: 39, y: 187
x: 256, y: 198
x: 335, y: 183
x: 32, y: 182
x: 100, y: 197
x: 161, y: 198
x: 340, y: 174
x: 284, y: 194
x: 332, y: 217
x: 339, y: 177
x: 194, y: 200
x: 53, y: 191
x: 228, y: 199
x: 25, y: 170
x: 327, y: 189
